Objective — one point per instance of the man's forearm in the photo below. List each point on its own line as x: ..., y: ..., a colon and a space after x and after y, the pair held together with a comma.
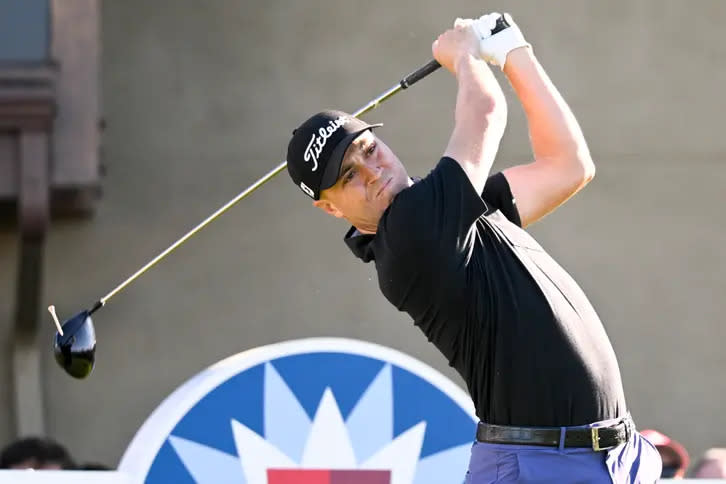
x: 479, y: 95
x: 480, y: 118
x: 554, y: 131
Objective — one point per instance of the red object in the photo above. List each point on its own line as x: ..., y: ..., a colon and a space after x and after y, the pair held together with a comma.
x: 322, y: 476
x: 670, y: 449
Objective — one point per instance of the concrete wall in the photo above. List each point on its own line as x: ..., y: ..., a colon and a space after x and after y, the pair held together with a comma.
x: 200, y: 100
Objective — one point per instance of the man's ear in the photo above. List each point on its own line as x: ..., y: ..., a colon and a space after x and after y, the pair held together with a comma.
x: 328, y: 207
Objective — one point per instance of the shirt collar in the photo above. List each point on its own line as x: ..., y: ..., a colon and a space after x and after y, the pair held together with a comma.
x: 360, y: 244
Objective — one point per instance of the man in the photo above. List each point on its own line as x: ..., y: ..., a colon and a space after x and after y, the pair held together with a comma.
x: 712, y: 465
x: 449, y: 250
x: 35, y: 453
x: 674, y: 457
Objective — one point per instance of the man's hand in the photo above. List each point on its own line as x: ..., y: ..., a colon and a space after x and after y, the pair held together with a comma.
x: 456, y: 44
x: 498, y: 36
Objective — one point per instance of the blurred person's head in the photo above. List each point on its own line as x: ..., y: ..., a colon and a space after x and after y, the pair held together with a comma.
x: 35, y: 453
x: 712, y: 465
x: 674, y: 456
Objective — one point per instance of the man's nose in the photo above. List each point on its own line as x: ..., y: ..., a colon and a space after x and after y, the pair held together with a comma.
x: 372, y: 171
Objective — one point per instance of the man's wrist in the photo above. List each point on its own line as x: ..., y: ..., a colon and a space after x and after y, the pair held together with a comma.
x: 498, y: 36
x: 517, y: 58
x: 464, y: 62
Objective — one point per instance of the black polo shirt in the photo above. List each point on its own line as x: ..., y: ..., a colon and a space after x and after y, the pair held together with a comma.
x: 508, y: 318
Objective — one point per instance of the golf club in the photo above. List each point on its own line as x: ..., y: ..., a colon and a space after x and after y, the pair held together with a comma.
x: 74, y: 345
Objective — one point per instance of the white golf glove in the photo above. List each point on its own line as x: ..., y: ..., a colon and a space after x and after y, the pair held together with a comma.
x: 498, y: 36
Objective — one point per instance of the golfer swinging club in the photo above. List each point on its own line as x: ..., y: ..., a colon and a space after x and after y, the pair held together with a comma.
x: 450, y: 251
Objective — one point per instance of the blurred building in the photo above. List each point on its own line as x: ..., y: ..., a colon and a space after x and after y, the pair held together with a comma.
x: 199, y: 100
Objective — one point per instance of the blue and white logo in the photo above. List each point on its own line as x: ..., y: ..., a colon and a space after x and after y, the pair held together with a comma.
x: 322, y: 410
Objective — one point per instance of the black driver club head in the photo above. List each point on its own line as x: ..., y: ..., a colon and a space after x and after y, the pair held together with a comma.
x: 75, y: 351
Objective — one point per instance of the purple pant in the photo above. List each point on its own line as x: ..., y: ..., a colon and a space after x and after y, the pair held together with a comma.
x: 635, y: 461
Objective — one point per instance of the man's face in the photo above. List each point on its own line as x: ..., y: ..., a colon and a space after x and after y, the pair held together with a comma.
x: 370, y: 177
x: 34, y: 464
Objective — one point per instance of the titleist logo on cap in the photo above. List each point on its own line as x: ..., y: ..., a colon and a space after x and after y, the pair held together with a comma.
x: 317, y: 142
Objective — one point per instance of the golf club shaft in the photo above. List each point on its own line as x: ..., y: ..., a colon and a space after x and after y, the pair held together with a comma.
x: 404, y: 83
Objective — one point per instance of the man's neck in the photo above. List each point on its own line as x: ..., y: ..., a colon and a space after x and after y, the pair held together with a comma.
x: 362, y: 232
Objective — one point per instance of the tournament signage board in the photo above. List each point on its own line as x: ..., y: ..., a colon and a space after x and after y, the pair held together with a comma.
x: 310, y: 411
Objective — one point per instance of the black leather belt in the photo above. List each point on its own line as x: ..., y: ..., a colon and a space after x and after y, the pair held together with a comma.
x: 601, y: 438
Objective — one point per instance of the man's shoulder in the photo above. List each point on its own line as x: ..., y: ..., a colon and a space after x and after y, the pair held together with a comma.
x: 422, y: 188
x: 405, y: 228
x: 407, y: 209
x: 401, y: 219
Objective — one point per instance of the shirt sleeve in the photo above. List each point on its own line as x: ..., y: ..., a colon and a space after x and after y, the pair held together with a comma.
x: 436, y: 213
x: 498, y: 194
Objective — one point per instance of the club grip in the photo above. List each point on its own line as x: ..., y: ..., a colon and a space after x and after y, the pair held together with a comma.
x: 419, y: 74
x: 433, y: 65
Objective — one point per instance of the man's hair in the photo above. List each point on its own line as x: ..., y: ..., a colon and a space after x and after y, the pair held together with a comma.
x: 42, y: 450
